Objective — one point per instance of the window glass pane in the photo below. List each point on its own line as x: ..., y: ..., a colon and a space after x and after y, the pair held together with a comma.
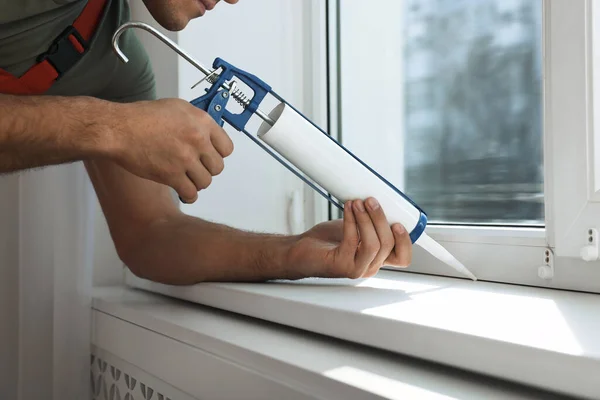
x: 473, y: 110
x: 444, y: 98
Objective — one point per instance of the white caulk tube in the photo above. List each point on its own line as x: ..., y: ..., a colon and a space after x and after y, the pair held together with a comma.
x: 342, y: 175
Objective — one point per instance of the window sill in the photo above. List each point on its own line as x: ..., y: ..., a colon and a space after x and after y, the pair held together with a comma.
x: 538, y: 337
x: 208, y: 353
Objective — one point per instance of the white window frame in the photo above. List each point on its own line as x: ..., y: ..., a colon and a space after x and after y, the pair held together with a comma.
x: 548, y: 257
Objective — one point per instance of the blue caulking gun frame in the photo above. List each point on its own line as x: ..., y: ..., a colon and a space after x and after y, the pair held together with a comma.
x: 214, y: 102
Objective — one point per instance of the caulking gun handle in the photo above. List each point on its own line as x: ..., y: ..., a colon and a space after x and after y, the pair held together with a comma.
x: 211, y: 99
x: 214, y: 105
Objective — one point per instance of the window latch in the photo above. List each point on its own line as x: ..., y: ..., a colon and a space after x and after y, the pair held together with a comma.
x: 591, y: 251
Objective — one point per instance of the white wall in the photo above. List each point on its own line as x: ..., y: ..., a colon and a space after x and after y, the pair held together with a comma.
x: 9, y: 267
x: 45, y: 283
x: 266, y: 38
x: 263, y: 37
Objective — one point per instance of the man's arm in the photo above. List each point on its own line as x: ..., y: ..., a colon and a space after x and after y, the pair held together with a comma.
x: 160, y: 243
x: 130, y: 158
x: 36, y: 131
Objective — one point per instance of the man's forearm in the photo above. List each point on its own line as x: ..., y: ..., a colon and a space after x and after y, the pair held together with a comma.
x: 160, y: 243
x: 46, y: 130
x: 182, y: 250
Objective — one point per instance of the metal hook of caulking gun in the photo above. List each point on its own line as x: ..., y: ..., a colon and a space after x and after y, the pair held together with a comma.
x: 256, y: 84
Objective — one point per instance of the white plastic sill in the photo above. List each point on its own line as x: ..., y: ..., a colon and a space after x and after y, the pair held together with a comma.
x: 545, y: 338
x: 317, y: 366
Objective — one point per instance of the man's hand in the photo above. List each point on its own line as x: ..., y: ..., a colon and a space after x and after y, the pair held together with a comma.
x: 354, y: 248
x: 171, y: 142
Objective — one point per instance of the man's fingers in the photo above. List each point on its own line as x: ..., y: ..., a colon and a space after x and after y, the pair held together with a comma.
x: 199, y: 176
x: 186, y: 190
x: 221, y: 141
x: 213, y: 162
x: 384, y: 232
x: 350, y: 241
x: 369, y: 242
x: 402, y: 255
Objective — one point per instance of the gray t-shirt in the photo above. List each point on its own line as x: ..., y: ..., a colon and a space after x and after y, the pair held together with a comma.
x: 28, y: 27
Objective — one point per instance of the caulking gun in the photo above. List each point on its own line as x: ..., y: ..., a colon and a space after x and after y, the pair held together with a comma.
x: 302, y: 147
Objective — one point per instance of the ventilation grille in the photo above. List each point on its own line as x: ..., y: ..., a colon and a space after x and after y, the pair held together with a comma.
x: 115, y: 379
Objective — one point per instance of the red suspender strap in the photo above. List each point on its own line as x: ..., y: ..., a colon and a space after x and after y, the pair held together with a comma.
x: 64, y: 52
x: 89, y: 18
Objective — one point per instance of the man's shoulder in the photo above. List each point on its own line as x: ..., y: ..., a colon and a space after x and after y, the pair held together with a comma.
x: 21, y: 11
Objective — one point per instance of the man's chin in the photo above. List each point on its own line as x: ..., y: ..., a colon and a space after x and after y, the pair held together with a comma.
x: 174, y: 15
x: 173, y: 24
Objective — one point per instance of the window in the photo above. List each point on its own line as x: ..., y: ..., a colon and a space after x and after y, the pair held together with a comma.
x: 420, y: 96
x: 485, y: 124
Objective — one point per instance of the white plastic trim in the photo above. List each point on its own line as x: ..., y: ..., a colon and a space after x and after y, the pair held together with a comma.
x: 535, y: 237
x: 317, y: 76
x: 504, y: 331
x: 220, y: 355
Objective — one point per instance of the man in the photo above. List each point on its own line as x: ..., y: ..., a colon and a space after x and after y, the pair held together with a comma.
x: 103, y: 112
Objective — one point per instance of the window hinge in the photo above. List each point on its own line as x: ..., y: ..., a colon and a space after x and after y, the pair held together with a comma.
x: 591, y: 250
x: 546, y: 271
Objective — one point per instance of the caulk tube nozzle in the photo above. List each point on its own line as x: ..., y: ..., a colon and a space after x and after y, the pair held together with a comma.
x: 438, y: 251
